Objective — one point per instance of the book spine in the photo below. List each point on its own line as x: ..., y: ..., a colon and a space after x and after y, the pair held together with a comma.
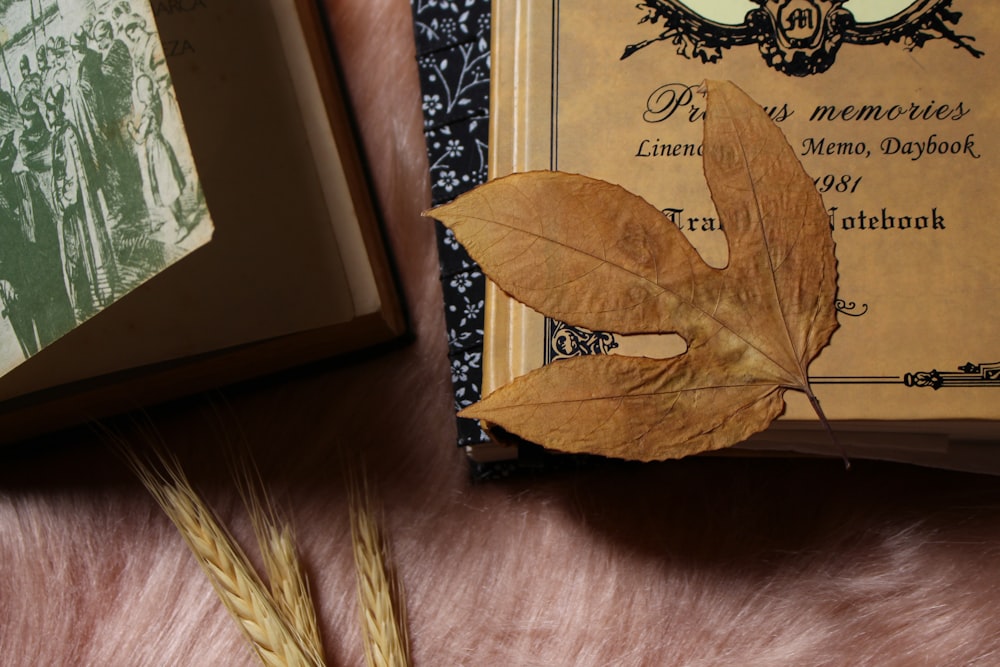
x: 453, y: 58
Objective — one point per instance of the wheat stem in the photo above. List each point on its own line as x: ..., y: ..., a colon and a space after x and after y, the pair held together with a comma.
x: 241, y: 591
x: 380, y: 594
x: 286, y: 574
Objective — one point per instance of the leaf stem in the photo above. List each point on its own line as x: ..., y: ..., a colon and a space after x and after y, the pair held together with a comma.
x: 829, y: 429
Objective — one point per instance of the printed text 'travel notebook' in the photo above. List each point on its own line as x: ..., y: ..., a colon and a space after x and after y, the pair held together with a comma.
x: 891, y: 106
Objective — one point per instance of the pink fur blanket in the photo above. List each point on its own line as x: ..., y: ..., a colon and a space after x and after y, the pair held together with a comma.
x: 702, y: 562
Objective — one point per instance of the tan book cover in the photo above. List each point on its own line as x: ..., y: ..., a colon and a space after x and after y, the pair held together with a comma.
x: 891, y: 106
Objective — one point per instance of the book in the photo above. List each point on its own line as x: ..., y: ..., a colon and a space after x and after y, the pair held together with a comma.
x: 239, y: 234
x: 890, y: 106
x: 453, y: 63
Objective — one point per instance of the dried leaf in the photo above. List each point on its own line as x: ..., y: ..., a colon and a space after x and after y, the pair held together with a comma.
x: 593, y: 255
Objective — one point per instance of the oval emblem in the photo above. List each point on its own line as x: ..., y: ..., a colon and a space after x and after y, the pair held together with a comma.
x: 799, y: 20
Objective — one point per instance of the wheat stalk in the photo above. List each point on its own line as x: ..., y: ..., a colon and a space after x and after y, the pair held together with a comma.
x: 380, y: 594
x: 276, y: 642
x: 286, y: 574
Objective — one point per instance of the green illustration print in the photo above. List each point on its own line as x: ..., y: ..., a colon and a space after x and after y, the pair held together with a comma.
x: 98, y: 189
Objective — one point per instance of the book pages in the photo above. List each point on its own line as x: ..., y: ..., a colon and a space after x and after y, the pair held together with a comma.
x: 98, y: 187
x: 290, y: 252
x: 891, y: 106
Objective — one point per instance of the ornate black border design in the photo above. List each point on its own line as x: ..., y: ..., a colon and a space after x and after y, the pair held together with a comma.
x: 969, y: 375
x: 565, y: 341
x: 799, y: 37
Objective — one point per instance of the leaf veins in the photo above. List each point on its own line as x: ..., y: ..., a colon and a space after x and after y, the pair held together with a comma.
x: 591, y: 254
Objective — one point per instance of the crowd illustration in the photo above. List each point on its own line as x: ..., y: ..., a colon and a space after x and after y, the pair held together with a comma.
x: 92, y: 192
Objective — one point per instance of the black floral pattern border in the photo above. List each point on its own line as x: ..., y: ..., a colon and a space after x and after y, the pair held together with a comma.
x: 453, y: 59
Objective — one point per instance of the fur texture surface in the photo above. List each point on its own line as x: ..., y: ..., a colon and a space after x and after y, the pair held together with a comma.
x: 699, y: 563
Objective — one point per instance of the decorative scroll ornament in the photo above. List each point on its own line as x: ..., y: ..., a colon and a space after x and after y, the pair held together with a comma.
x: 567, y: 341
x: 969, y: 375
x: 799, y: 37
x: 851, y: 308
